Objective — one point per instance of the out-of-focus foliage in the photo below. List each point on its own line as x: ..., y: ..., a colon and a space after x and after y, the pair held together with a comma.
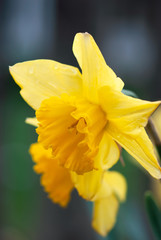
x: 154, y: 214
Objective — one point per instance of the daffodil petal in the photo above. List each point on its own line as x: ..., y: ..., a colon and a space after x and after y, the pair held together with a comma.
x: 104, y: 214
x: 88, y: 184
x: 112, y: 183
x: 55, y: 179
x: 117, y: 183
x: 96, y: 185
x: 108, y: 153
x: 41, y: 79
x: 140, y: 147
x: 32, y: 121
x: 127, y: 113
x: 95, y: 72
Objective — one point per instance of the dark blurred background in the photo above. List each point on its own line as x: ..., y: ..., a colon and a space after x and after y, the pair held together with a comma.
x: 129, y: 36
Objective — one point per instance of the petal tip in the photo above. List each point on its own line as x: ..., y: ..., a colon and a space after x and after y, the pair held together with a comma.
x: 82, y: 34
x: 10, y: 69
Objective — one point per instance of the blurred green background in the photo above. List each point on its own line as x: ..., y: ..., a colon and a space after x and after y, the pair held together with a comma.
x: 129, y: 36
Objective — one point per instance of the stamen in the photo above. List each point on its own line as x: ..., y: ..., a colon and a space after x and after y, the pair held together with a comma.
x: 73, y: 125
x: 81, y: 121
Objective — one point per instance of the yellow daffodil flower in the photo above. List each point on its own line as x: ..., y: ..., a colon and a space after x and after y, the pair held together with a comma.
x: 82, y: 120
x: 104, y: 189
x: 84, y: 117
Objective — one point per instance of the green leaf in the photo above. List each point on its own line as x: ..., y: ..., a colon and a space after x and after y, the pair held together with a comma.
x: 154, y: 214
x: 129, y: 93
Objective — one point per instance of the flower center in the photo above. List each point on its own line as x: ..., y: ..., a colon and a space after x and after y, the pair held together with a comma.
x: 80, y: 124
x: 73, y: 129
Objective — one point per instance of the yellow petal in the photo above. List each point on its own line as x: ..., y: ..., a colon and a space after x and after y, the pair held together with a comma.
x: 88, y: 184
x: 112, y: 183
x: 96, y: 185
x: 41, y: 79
x: 140, y: 147
x: 117, y: 183
x: 56, y: 180
x: 95, y: 72
x: 127, y: 113
x: 32, y: 121
x: 104, y: 214
x: 108, y: 153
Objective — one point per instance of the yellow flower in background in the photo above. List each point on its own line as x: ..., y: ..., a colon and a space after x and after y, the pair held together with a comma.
x: 104, y: 189
x: 83, y: 117
x: 55, y: 179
